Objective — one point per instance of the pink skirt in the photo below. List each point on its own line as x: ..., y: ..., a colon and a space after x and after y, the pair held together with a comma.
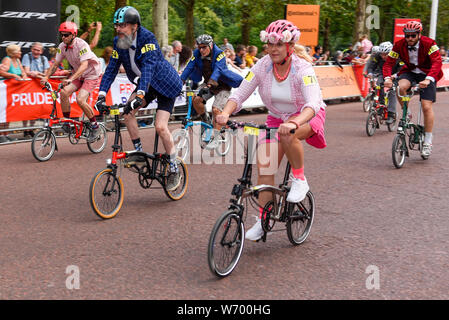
x: 317, y: 140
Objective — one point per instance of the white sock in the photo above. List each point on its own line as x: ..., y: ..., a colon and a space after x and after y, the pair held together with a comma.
x: 428, y: 137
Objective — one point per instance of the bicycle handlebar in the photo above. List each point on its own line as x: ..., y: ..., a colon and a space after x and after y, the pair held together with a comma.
x: 235, y: 125
x: 107, y: 109
x: 413, y: 89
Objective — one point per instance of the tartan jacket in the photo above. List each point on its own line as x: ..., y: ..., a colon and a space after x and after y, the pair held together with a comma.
x: 156, y: 71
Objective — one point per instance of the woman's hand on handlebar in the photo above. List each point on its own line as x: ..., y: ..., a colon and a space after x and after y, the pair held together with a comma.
x: 222, y: 119
x: 286, y: 128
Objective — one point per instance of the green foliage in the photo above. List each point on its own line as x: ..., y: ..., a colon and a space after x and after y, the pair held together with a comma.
x: 223, y: 18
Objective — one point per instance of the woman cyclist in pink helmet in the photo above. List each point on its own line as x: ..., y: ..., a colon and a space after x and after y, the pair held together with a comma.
x: 290, y: 91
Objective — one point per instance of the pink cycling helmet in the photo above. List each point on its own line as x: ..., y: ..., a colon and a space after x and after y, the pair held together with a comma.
x: 280, y: 30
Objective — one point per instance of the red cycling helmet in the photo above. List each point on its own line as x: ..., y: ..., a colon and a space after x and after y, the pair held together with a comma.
x: 412, y: 26
x: 69, y: 26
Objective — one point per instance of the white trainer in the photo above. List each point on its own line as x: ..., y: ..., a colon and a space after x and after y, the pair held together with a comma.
x: 426, y: 150
x: 298, y: 189
x: 256, y: 231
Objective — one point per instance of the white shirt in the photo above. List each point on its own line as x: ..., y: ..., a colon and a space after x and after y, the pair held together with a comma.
x: 413, y: 58
x: 281, y: 96
x: 132, y: 54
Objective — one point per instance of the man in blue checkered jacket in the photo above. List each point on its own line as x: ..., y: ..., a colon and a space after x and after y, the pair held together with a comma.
x: 138, y: 51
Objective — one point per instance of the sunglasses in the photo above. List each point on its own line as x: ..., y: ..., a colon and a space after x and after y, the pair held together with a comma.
x: 202, y: 47
x: 120, y: 25
x: 65, y: 35
x: 413, y: 36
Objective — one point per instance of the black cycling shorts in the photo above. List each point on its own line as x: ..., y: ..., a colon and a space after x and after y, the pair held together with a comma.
x: 429, y: 93
x: 163, y: 102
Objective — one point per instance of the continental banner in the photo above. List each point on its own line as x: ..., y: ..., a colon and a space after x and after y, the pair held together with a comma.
x: 307, y: 19
x: 337, y: 83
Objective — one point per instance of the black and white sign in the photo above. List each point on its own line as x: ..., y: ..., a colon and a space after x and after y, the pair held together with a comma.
x: 23, y: 22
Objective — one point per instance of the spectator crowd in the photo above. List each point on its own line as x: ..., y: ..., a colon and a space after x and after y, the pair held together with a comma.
x: 34, y: 64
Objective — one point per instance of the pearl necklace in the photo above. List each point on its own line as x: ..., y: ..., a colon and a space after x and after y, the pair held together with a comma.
x: 286, y: 74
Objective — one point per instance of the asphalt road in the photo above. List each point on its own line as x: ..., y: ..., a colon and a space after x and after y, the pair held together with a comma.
x: 379, y: 232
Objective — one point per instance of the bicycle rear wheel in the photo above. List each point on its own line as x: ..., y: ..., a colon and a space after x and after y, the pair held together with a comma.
x: 43, y: 145
x: 371, y: 123
x: 226, y: 243
x: 106, y: 194
x: 300, y: 219
x: 178, y: 192
x: 399, y: 150
x: 100, y: 143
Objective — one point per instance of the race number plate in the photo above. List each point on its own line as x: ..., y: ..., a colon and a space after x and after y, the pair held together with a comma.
x: 115, y: 112
x: 251, y: 131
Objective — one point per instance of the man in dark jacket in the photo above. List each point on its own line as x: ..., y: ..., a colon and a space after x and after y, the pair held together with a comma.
x: 209, y: 62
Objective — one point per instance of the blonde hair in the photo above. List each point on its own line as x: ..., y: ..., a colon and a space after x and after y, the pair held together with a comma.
x: 12, y: 48
x: 301, y: 52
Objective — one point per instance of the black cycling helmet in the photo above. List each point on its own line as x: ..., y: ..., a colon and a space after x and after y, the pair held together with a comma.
x: 127, y: 14
x: 205, y: 39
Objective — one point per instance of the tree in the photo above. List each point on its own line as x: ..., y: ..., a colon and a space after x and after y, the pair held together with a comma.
x: 359, y: 26
x: 160, y: 21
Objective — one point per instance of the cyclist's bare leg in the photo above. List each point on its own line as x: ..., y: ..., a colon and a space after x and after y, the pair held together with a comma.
x: 131, y: 121
x: 65, y: 95
x: 404, y: 85
x: 215, y: 112
x: 293, y: 146
x: 428, y: 115
x: 198, y: 105
x: 81, y: 99
x: 164, y: 133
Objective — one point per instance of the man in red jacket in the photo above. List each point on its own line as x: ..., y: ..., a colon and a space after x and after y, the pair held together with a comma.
x: 422, y: 65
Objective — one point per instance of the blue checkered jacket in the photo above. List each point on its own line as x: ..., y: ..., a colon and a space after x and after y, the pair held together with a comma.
x: 156, y: 71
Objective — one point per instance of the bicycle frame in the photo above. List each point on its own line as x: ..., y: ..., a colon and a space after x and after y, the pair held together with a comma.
x: 78, y: 125
x: 119, y: 154
x: 245, y: 188
x: 188, y: 123
x: 404, y: 123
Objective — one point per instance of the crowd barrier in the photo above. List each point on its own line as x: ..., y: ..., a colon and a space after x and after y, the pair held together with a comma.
x: 26, y: 100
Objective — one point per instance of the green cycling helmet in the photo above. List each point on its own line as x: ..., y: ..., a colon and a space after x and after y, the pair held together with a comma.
x: 127, y: 14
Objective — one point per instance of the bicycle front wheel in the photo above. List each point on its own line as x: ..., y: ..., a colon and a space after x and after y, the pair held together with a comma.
x: 300, y: 220
x: 399, y: 150
x: 367, y: 103
x: 180, y: 188
x: 106, y: 194
x: 100, y: 143
x: 181, y: 141
x: 371, y: 123
x: 43, y: 145
x: 223, y: 142
x: 226, y: 243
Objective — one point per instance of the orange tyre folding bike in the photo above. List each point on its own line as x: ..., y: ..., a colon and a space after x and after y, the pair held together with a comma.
x: 106, y: 191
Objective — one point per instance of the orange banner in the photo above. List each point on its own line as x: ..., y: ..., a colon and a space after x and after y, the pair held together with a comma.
x: 336, y: 82
x: 26, y: 100
x: 307, y: 19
